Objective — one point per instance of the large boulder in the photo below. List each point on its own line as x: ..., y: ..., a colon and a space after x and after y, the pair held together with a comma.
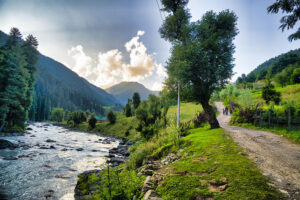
x: 4, y: 144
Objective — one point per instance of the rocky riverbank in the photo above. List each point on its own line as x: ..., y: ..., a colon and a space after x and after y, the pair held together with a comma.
x: 115, y: 157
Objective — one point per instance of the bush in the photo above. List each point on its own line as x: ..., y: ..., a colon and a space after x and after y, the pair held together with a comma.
x: 111, y: 117
x: 77, y: 116
x: 200, y: 119
x: 269, y: 94
x: 241, y: 115
x: 296, y: 76
x: 92, y: 121
x: 57, y: 114
x: 116, y: 184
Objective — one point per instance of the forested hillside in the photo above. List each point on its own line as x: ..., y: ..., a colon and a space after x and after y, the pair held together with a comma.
x: 58, y: 86
x: 275, y: 65
x: 123, y: 91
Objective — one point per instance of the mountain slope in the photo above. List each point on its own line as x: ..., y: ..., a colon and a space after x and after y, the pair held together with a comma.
x: 276, y: 64
x: 58, y: 86
x: 124, y: 90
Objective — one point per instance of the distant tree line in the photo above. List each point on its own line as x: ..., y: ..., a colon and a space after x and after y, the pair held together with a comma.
x: 283, y: 69
x: 44, y: 101
x: 18, y: 60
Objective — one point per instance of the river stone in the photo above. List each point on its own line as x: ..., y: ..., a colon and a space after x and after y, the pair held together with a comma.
x: 49, y: 140
x: 10, y: 158
x: 7, y: 144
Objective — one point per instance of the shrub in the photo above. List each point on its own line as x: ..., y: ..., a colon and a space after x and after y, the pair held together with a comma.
x: 200, y: 119
x: 111, y: 117
x: 77, y: 116
x: 241, y: 115
x: 92, y: 121
x: 57, y: 114
x: 269, y: 94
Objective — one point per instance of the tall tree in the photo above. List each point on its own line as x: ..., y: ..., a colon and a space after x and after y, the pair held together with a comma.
x: 17, y: 66
x: 136, y: 100
x: 202, y: 56
x: 292, y: 9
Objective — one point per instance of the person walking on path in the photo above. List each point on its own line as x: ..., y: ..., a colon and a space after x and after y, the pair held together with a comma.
x: 226, y: 110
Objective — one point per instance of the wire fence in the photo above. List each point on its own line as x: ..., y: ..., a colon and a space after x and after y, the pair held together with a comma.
x: 269, y: 118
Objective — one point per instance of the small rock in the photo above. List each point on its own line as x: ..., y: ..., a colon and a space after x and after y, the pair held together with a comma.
x: 151, y: 195
x: 10, y: 158
x: 284, y: 192
x: 64, y: 149
x: 62, y: 176
x: 52, y: 147
x: 49, y: 140
x: 79, y: 149
x: 7, y: 144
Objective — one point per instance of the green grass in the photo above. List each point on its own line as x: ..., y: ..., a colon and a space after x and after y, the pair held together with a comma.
x: 289, y: 94
x: 209, y: 156
x: 187, y: 111
x: 206, y: 157
x: 293, y: 135
x: 118, y: 129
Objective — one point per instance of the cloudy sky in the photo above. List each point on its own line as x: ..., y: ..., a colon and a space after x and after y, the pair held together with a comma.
x: 109, y: 41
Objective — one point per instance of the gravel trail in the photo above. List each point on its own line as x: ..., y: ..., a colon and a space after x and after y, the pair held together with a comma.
x: 276, y: 156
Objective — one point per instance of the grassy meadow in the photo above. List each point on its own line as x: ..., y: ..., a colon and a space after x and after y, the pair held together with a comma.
x: 211, y: 164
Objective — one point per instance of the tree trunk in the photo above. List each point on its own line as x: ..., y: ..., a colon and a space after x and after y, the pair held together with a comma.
x: 212, y: 119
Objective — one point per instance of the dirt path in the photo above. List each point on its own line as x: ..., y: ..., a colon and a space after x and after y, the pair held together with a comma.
x: 277, y: 157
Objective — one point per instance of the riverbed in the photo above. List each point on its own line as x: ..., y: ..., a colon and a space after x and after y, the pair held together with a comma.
x: 48, y: 162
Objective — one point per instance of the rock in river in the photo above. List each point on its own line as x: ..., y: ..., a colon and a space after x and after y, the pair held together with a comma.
x: 7, y: 144
x: 49, y: 140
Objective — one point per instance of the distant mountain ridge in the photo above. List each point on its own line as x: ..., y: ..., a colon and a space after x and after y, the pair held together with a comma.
x: 277, y: 64
x: 58, y: 86
x: 124, y: 90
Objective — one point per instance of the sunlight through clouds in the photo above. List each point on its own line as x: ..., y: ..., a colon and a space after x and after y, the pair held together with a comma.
x: 110, y: 68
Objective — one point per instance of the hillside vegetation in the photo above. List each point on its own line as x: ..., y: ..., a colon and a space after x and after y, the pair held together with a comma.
x: 58, y: 86
x: 274, y: 65
x: 209, y: 165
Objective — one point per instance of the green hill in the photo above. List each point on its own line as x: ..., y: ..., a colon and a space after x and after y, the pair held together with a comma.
x: 58, y: 86
x: 124, y: 90
x: 276, y: 65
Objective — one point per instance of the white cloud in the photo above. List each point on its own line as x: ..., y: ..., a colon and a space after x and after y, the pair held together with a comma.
x: 110, y: 68
x: 157, y: 86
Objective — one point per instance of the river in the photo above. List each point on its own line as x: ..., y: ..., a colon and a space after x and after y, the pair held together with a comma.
x: 48, y: 163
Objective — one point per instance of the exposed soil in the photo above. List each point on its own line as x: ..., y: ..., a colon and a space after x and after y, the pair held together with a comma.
x: 276, y: 156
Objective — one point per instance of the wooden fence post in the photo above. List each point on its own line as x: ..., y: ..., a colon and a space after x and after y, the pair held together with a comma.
x: 260, y: 119
x: 269, y: 118
x: 255, y: 116
x: 289, y: 119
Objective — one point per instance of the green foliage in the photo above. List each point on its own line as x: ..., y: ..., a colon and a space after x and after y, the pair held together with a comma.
x: 111, y: 117
x: 291, y: 8
x: 57, y: 114
x: 136, y: 100
x: 202, y: 56
x: 57, y: 86
x: 149, y: 113
x: 77, y: 117
x: 269, y: 94
x: 296, y: 76
x: 17, y: 68
x: 211, y: 156
x: 111, y: 184
x: 276, y: 65
x: 92, y: 121
x: 127, y: 108
x: 243, y: 115
x: 245, y: 99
